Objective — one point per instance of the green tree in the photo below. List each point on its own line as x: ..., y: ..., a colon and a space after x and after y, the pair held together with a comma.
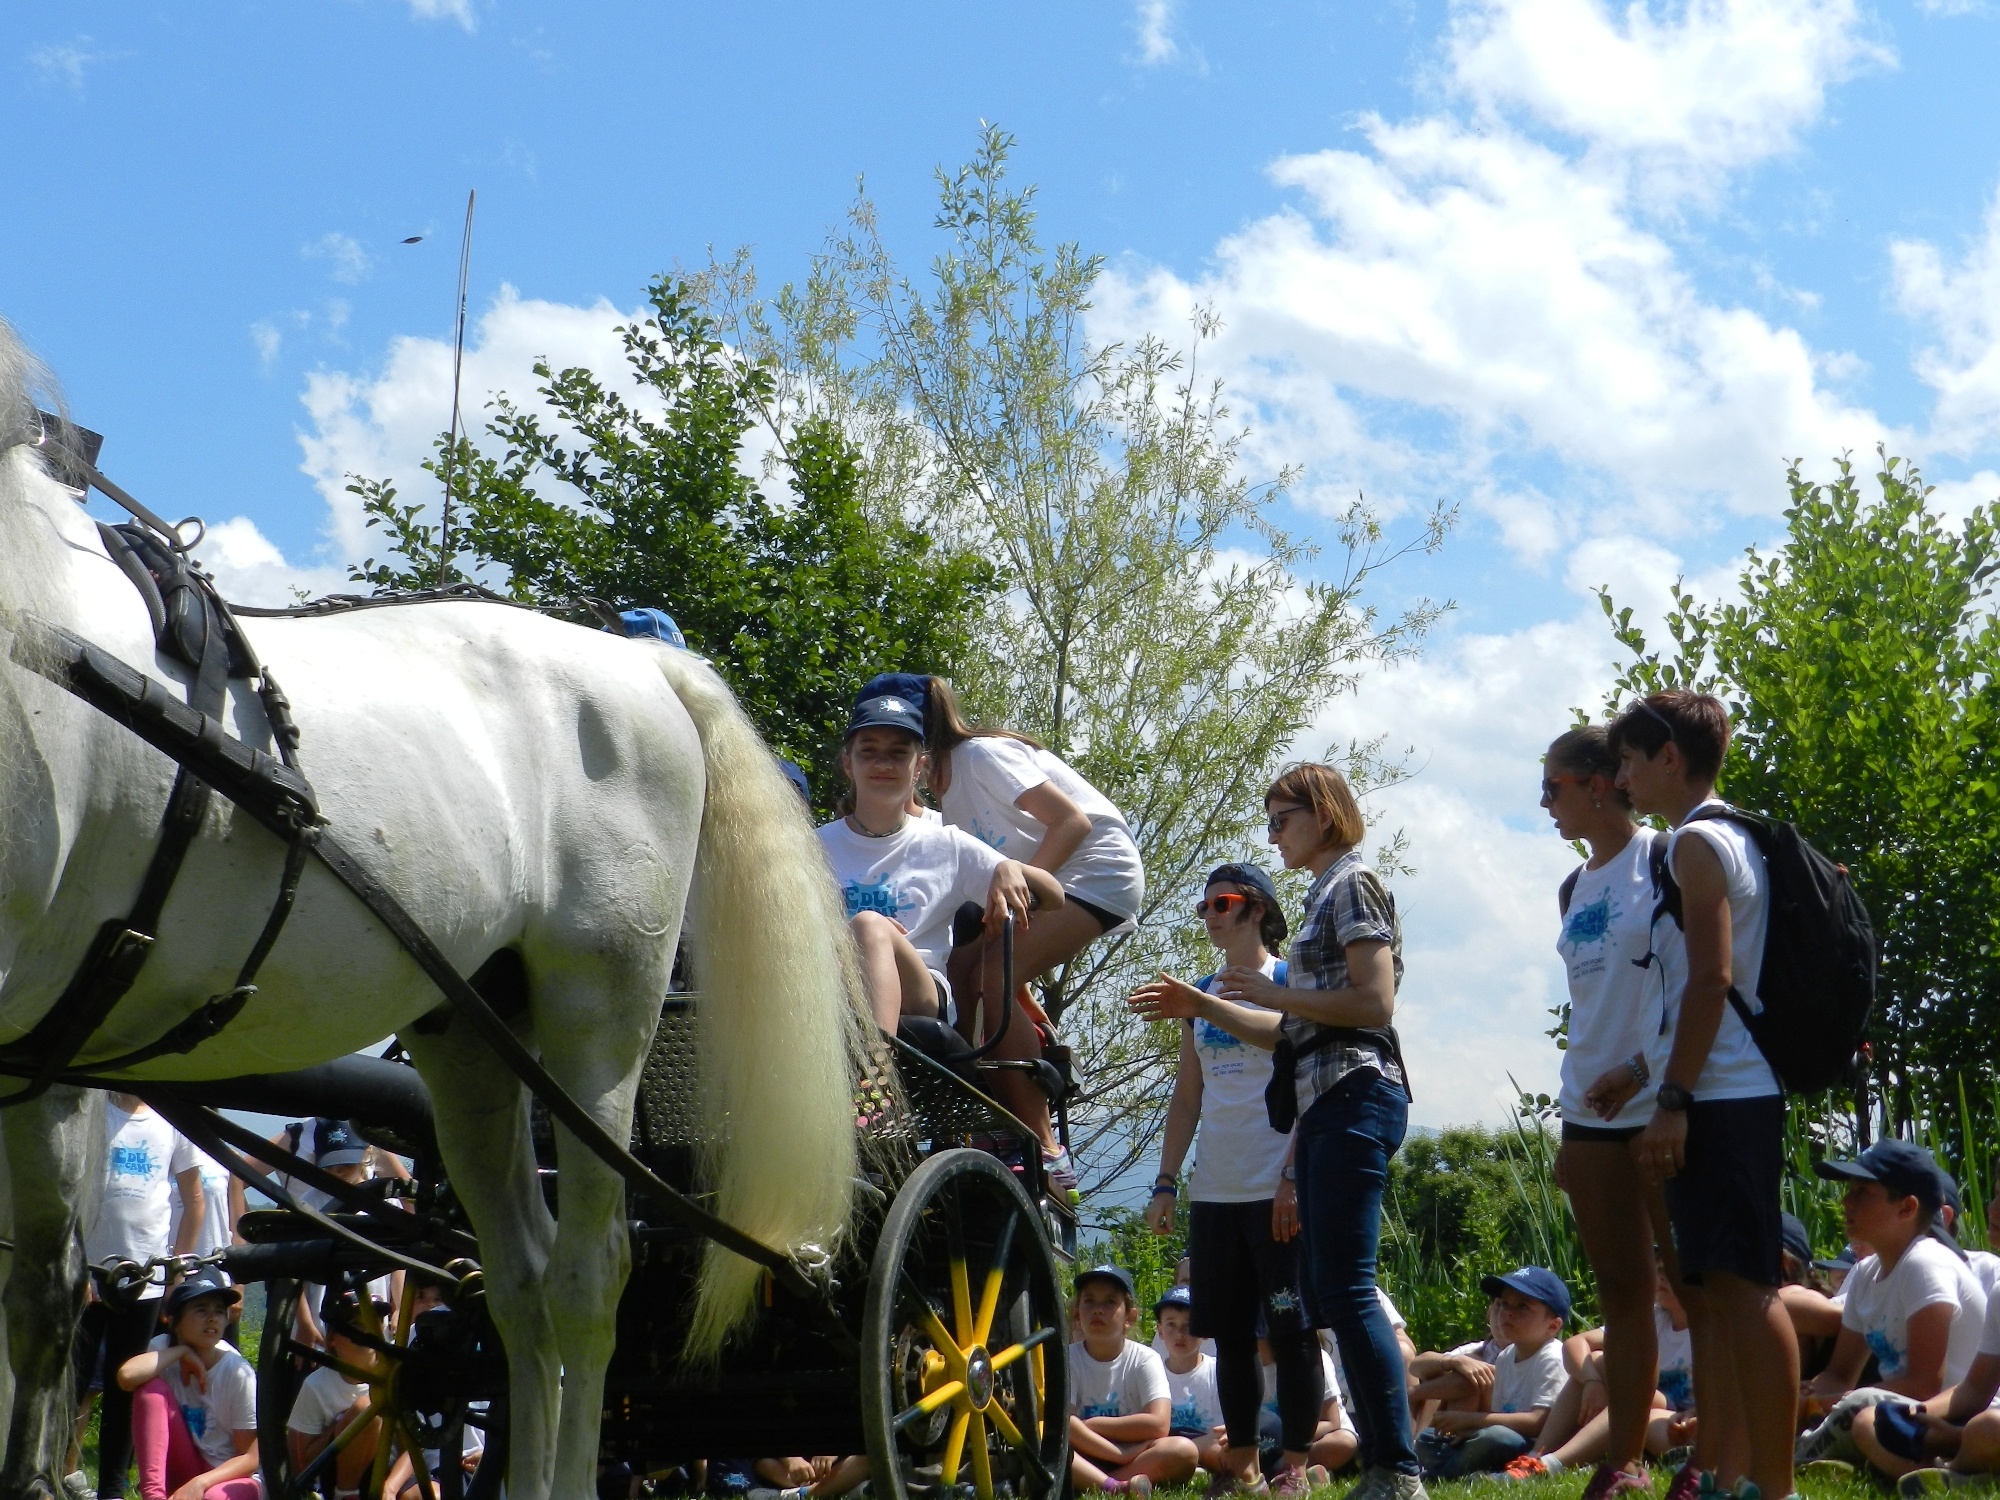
x: 1861, y: 666
x: 1161, y: 631
x: 645, y: 501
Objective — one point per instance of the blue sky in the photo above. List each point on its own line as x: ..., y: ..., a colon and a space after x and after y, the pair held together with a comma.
x: 1591, y: 272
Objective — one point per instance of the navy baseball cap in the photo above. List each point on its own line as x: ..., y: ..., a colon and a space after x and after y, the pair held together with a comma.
x: 336, y: 1145
x: 797, y: 778
x: 886, y: 712
x: 912, y: 687
x: 1254, y: 878
x: 1792, y: 1234
x: 1177, y: 1296
x: 1531, y: 1281
x: 207, y: 1282
x: 1907, y: 1170
x: 1841, y: 1262
x: 1116, y: 1274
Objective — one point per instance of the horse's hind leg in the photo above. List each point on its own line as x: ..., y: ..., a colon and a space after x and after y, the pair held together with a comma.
x: 53, y: 1182
x: 595, y: 1029
x: 481, y: 1114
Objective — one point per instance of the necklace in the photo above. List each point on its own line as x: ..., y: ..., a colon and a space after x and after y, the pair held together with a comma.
x: 868, y: 833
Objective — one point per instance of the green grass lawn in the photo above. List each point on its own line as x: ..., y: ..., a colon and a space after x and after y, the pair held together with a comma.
x: 1558, y: 1487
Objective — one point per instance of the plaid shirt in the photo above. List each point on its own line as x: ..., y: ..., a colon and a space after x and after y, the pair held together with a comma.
x: 1348, y: 904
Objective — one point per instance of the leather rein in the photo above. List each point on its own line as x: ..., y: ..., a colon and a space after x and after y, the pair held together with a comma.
x: 275, y: 792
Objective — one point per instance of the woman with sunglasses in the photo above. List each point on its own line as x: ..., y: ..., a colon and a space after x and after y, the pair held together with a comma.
x: 1351, y: 1092
x: 1243, y: 1214
x: 1615, y: 1004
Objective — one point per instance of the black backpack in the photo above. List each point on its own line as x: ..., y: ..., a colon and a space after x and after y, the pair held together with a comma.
x: 1818, y: 979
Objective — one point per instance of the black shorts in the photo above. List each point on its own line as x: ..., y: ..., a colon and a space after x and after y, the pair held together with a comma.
x: 1106, y: 920
x: 1724, y: 1202
x: 1238, y: 1272
x: 1611, y: 1135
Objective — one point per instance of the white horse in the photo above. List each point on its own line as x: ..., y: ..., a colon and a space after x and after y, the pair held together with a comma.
x: 516, y: 782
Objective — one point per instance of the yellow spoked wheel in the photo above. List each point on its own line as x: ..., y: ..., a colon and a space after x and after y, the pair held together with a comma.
x: 410, y: 1409
x: 964, y: 1363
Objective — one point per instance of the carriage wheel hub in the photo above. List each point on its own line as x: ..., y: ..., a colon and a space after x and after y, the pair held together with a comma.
x: 979, y: 1376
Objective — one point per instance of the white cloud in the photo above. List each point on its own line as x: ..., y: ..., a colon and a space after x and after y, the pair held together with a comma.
x: 250, y: 569
x: 264, y: 335
x: 350, y: 263
x: 1153, y: 24
x: 382, y: 425
x: 65, y: 62
x: 444, y: 10
x: 1686, y: 92
x: 1962, y: 302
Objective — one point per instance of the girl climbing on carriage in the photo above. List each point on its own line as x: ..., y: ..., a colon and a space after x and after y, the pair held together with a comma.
x: 904, y: 877
x: 1027, y: 803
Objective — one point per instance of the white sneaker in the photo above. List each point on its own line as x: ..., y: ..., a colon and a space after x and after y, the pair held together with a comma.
x: 76, y: 1485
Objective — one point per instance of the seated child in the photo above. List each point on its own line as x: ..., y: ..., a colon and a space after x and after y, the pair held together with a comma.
x: 1579, y: 1427
x: 1527, y: 1378
x: 329, y: 1400
x: 1459, y: 1379
x: 194, y: 1407
x: 1912, y: 1303
x: 807, y: 1478
x: 1958, y: 1428
x: 1334, y: 1443
x: 1197, y: 1405
x: 427, y: 1295
x: 1121, y: 1407
x: 903, y: 877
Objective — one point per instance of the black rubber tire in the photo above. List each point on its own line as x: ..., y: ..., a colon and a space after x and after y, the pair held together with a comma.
x: 967, y: 1199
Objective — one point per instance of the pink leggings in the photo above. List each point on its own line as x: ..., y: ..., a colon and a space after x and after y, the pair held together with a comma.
x: 167, y: 1455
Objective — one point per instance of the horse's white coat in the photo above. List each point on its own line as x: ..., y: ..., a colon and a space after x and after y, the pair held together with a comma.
x: 517, y: 782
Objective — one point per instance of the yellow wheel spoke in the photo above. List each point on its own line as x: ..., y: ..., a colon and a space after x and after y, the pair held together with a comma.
x: 982, y: 1461
x: 951, y: 1390
x: 989, y: 1302
x: 1041, y: 1389
x: 1007, y: 1356
x: 945, y: 1344
x: 353, y: 1429
x: 419, y: 1470
x: 954, y: 1446
x: 961, y: 1302
x: 1006, y: 1426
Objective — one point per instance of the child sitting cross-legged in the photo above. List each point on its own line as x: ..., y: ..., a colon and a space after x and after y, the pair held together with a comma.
x: 194, y: 1408
x: 1459, y: 1379
x: 329, y: 1401
x: 1578, y: 1430
x: 1527, y: 1378
x: 1121, y: 1408
x: 1913, y: 1304
x: 1197, y: 1404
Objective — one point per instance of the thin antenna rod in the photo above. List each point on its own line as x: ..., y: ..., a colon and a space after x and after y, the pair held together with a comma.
x: 457, y: 365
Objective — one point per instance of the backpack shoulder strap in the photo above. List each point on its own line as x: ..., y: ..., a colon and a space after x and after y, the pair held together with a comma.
x: 1567, y: 890
x: 1666, y: 890
x: 1282, y: 974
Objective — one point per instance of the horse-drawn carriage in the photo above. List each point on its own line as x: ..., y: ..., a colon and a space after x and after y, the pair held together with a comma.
x: 933, y: 1341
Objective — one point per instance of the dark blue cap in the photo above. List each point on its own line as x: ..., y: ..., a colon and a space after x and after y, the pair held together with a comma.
x: 1254, y: 877
x: 1841, y: 1262
x: 1531, y: 1281
x: 336, y: 1145
x: 1175, y: 1296
x: 655, y: 624
x: 207, y: 1282
x: 1792, y: 1235
x: 886, y: 712
x: 797, y: 778
x: 1906, y: 1169
x: 912, y: 687
x: 1117, y: 1274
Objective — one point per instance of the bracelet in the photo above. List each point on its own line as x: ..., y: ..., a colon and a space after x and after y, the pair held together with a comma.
x: 1170, y: 1191
x: 1641, y: 1074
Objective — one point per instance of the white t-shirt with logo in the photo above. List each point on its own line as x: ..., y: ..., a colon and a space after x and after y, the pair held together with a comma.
x: 1879, y: 1308
x: 1197, y: 1404
x: 989, y: 774
x: 228, y: 1406
x: 919, y: 876
x: 1122, y: 1387
x: 213, y: 1234
x: 1527, y: 1383
x: 1735, y: 1068
x: 1237, y: 1155
x: 1614, y: 1005
x: 1676, y: 1360
x: 323, y: 1396
x: 144, y: 1157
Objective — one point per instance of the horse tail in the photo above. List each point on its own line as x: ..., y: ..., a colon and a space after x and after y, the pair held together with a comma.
x: 782, y: 1009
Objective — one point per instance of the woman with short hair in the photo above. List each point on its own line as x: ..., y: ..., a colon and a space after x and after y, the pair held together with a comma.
x: 1351, y: 1095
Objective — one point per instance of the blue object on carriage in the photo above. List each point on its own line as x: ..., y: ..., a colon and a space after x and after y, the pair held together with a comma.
x: 797, y: 778
x: 654, y: 623
x: 912, y: 687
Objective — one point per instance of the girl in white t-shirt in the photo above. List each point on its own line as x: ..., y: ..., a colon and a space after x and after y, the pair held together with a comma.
x: 194, y: 1407
x: 1243, y: 1215
x: 1615, y: 1004
x: 903, y: 878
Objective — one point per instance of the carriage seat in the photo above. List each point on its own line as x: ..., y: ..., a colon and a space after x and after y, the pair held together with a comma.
x: 939, y: 1040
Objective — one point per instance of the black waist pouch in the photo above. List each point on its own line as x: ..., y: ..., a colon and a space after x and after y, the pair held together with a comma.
x: 1281, y: 1094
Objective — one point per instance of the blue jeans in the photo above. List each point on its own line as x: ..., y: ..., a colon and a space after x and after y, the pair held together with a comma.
x: 1482, y: 1452
x: 1345, y: 1141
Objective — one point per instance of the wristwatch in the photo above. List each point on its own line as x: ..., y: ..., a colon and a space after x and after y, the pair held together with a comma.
x: 1672, y: 1096
x: 1288, y: 1173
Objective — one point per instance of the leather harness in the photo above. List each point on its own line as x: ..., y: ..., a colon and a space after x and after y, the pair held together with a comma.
x: 195, y: 625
